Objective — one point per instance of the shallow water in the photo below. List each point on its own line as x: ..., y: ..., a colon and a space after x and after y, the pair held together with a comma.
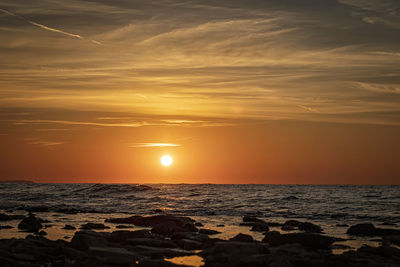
x: 209, y: 204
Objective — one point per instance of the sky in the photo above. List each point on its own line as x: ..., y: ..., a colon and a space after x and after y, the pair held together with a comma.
x: 235, y: 91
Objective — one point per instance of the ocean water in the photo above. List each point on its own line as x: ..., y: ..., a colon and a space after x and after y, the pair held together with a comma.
x: 325, y: 205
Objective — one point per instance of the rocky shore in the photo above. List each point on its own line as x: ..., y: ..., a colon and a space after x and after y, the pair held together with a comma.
x: 169, y: 240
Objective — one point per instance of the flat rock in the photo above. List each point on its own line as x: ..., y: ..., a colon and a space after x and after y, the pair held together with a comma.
x: 82, y: 240
x: 69, y: 227
x: 6, y: 217
x: 362, y: 229
x: 113, y: 255
x: 121, y: 236
x: 161, y: 252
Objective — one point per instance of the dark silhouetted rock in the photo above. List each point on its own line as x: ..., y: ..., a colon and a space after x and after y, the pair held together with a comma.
x: 154, y: 252
x: 362, y: 229
x: 30, y: 224
x: 252, y: 219
x: 123, y: 235
x: 198, y: 224
x: 113, y: 256
x: 291, y: 198
x: 151, y: 242
x: 309, y: 240
x: 208, y: 232
x: 188, y: 244
x: 38, y: 209
x: 310, y: 227
x: 242, y: 238
x: 69, y: 227
x: 220, y: 225
x: 260, y: 227
x: 94, y: 226
x: 82, y: 240
x: 6, y: 227
x: 122, y: 226
x: 291, y: 225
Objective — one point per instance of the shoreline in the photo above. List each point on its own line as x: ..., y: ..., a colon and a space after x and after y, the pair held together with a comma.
x: 166, y: 240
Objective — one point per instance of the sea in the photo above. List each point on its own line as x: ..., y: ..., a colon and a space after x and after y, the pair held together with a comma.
x: 333, y: 207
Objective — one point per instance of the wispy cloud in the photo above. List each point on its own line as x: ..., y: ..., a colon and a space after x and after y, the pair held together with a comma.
x: 154, y: 145
x: 47, y: 28
x: 43, y: 143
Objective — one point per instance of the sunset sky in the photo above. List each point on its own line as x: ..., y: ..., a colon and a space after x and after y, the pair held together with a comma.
x: 235, y: 91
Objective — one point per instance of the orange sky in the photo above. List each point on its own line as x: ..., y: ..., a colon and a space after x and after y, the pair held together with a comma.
x: 247, y: 91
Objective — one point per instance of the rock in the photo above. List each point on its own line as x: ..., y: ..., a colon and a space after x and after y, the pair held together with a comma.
x: 302, y: 226
x: 170, y: 227
x: 342, y: 225
x: 94, y: 226
x: 388, y: 224
x: 198, y: 224
x: 340, y: 246
x: 123, y: 235
x: 6, y: 227
x: 202, y: 238
x: 152, y: 242
x: 260, y: 227
x: 161, y: 252
x: 274, y: 238
x: 123, y: 226
x: 82, y: 240
x: 362, y: 229
x: 30, y: 224
x: 208, y: 232
x: 113, y: 255
x: 252, y: 219
x: 158, y: 211
x: 233, y: 250
x: 69, y: 227
x: 387, y: 232
x: 308, y: 240
x: 188, y: 244
x: 151, y: 221
x: 242, y: 238
x: 220, y: 225
x: 42, y: 233
x: 310, y: 227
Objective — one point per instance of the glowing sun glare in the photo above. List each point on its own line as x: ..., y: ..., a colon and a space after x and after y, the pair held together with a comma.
x: 166, y: 160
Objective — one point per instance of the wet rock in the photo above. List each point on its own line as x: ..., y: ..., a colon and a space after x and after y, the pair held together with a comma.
x: 388, y: 224
x: 274, y: 238
x: 152, y: 242
x: 362, y: 229
x: 230, y: 252
x: 42, y: 233
x: 30, y: 224
x: 302, y: 226
x: 202, y: 238
x: 198, y: 224
x: 82, y: 240
x: 260, y: 227
x: 252, y: 219
x: 310, y: 227
x: 170, y: 227
x: 160, y: 253
x: 6, y: 227
x: 69, y: 227
x: 123, y: 235
x: 342, y: 225
x: 208, y: 232
x: 242, y: 238
x: 188, y: 244
x: 155, y: 263
x: 129, y: 220
x: 220, y: 225
x: 157, y: 211
x: 123, y: 226
x: 309, y: 240
x: 94, y: 226
x: 112, y: 255
x: 340, y: 246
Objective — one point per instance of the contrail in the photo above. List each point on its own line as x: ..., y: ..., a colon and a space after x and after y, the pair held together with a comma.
x: 47, y: 28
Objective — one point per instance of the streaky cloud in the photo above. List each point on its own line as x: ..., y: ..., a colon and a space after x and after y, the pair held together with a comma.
x: 47, y: 28
x: 154, y: 145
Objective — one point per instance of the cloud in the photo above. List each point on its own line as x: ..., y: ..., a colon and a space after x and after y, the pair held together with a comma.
x: 154, y: 145
x: 43, y: 143
x: 44, y: 27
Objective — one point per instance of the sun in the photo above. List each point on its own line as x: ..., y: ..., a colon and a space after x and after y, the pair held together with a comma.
x: 166, y: 160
